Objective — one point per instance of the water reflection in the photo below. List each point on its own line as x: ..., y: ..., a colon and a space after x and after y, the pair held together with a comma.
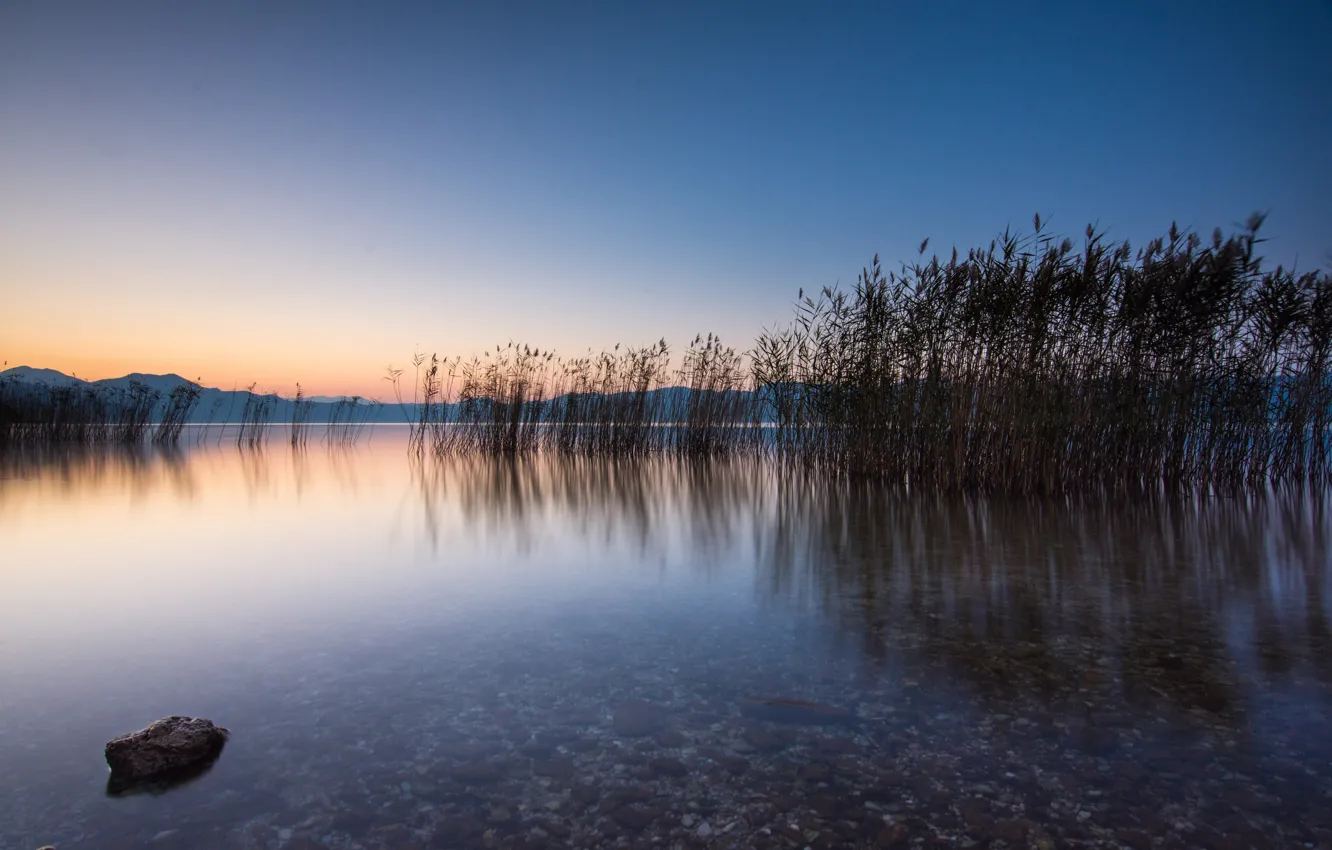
x: 79, y: 470
x: 1109, y: 581
x: 649, y: 502
x: 598, y: 649
x: 162, y: 783
x: 1009, y: 595
x: 1047, y: 589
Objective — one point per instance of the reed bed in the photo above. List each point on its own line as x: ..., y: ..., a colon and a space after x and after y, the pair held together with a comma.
x: 621, y: 403
x: 1029, y: 366
x: 176, y: 413
x: 348, y: 420
x: 1025, y: 366
x: 37, y: 413
x: 255, y: 419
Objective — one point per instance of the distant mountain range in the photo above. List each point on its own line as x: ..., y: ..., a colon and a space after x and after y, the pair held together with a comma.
x: 216, y: 405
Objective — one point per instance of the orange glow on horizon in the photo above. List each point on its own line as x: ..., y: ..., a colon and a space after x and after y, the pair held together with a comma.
x: 218, y: 375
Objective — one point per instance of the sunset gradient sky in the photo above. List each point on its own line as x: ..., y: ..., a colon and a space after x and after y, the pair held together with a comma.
x: 307, y: 191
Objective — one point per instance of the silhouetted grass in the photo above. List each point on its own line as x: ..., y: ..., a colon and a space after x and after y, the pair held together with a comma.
x: 300, y: 418
x: 1026, y: 366
x: 256, y: 416
x: 348, y: 420
x: 619, y: 403
x: 35, y: 413
x: 1032, y: 367
x: 38, y: 413
x: 179, y: 408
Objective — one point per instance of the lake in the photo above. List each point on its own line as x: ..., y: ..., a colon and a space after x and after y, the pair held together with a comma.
x: 550, y: 652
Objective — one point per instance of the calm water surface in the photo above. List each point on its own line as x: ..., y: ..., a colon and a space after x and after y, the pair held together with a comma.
x: 549, y: 653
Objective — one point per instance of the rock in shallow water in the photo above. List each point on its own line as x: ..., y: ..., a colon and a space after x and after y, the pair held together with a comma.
x: 797, y: 712
x: 166, y: 746
x: 635, y: 719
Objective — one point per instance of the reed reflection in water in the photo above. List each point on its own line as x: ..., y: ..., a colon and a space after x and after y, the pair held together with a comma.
x: 992, y: 670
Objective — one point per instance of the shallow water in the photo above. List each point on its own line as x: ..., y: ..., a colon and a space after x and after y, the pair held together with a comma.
x: 548, y: 653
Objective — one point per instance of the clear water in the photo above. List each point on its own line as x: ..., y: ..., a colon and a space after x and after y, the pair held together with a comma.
x: 547, y: 653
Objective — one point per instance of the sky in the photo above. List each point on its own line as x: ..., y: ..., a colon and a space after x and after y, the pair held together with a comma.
x: 282, y: 192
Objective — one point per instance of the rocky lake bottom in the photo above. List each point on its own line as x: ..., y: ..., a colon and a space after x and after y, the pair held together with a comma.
x: 537, y: 655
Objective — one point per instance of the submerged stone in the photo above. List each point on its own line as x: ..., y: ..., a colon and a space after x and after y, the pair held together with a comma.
x: 671, y: 739
x: 555, y: 768
x: 636, y: 718
x: 668, y: 767
x: 797, y: 712
x: 168, y: 746
x: 477, y: 773
x: 767, y: 740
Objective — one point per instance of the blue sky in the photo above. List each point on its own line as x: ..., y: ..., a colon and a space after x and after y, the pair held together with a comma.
x: 288, y: 191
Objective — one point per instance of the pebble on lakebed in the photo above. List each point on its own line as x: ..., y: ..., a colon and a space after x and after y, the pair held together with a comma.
x: 165, y: 746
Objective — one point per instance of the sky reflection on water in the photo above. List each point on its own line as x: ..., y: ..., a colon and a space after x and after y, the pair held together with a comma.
x: 364, y: 622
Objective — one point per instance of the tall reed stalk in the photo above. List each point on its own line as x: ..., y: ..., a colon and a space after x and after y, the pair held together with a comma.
x: 348, y: 420
x: 255, y: 417
x: 300, y: 418
x: 177, y: 412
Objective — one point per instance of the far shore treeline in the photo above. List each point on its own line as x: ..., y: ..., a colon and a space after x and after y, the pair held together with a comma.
x: 1030, y: 365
